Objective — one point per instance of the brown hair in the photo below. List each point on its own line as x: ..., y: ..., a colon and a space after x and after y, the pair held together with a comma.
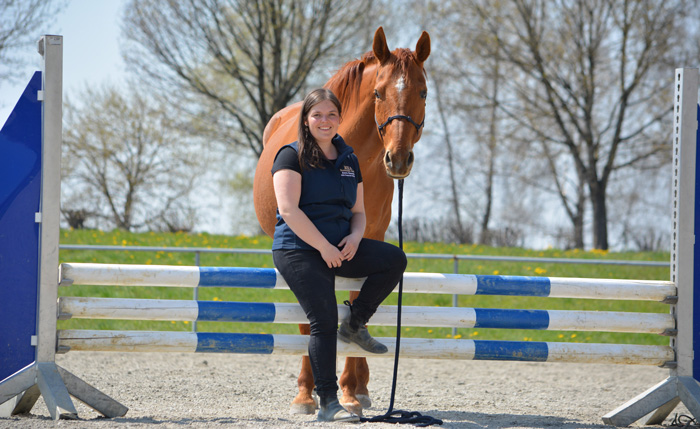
x: 310, y: 154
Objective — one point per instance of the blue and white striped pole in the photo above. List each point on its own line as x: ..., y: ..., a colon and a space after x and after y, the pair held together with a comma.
x: 463, y: 284
x: 419, y: 348
x: 461, y: 317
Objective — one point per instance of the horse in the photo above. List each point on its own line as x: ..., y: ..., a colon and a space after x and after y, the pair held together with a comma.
x: 383, y: 99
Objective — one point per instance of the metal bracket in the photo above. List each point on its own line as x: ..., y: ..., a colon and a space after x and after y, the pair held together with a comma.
x: 670, y: 332
x: 65, y: 316
x: 671, y: 299
x: 671, y: 364
x: 66, y: 282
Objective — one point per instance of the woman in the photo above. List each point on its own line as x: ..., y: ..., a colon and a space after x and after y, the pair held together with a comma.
x: 318, y: 235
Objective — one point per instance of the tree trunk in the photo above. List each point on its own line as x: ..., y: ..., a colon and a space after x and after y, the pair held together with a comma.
x: 600, y: 216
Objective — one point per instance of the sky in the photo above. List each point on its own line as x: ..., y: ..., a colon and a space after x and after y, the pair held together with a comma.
x: 91, y: 33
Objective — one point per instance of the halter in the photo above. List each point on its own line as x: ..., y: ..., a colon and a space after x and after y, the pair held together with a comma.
x: 380, y: 128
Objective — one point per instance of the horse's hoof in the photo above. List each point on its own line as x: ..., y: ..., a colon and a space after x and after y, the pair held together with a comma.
x: 365, y: 401
x: 302, y: 409
x: 353, y: 407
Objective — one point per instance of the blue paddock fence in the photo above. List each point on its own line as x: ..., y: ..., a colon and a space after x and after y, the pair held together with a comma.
x: 150, y: 309
x: 30, y: 307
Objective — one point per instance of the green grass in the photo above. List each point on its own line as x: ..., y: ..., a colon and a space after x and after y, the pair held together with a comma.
x: 121, y: 238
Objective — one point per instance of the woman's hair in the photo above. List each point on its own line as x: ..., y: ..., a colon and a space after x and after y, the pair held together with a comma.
x: 310, y: 154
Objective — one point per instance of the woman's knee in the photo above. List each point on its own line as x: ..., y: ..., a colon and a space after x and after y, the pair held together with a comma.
x: 324, y: 326
x: 398, y: 259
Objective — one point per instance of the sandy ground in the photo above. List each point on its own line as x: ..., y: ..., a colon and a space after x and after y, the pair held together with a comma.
x: 220, y: 391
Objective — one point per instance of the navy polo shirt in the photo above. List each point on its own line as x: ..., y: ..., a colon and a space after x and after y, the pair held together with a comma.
x: 328, y: 194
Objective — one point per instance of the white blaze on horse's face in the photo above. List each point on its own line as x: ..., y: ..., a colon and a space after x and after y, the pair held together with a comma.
x: 401, y: 84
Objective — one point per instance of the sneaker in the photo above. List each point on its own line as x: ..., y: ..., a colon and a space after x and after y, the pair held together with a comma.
x: 334, y: 412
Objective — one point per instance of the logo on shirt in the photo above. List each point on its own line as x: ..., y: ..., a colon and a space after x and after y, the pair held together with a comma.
x: 347, y: 171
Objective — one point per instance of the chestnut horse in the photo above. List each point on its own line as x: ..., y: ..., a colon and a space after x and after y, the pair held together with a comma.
x: 383, y: 98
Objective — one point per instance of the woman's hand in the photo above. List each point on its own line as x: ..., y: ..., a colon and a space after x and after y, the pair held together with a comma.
x: 331, y: 255
x: 348, y: 246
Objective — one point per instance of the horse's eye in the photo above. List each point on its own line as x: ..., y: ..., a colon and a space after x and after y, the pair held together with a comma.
x: 424, y: 94
x: 376, y: 94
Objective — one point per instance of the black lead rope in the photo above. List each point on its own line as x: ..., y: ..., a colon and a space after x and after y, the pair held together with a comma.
x: 400, y: 416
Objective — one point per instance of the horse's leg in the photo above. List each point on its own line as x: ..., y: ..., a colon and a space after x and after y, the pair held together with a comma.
x: 304, y: 403
x: 352, y: 386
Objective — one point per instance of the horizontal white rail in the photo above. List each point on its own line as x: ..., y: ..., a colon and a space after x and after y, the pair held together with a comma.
x: 460, y: 317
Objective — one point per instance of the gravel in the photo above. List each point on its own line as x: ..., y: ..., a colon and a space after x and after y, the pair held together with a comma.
x: 166, y: 390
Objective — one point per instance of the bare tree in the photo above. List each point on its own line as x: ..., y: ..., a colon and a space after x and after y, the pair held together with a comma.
x: 591, y: 79
x: 234, y: 63
x: 125, y: 162
x: 20, y: 26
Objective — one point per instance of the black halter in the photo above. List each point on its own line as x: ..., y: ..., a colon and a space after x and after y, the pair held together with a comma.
x: 380, y: 128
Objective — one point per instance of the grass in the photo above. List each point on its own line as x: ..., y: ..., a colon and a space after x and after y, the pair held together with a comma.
x: 121, y: 238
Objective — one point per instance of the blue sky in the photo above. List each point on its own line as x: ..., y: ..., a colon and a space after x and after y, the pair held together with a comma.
x: 91, y: 34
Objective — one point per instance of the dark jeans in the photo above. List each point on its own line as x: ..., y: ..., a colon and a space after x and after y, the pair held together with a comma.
x: 313, y: 283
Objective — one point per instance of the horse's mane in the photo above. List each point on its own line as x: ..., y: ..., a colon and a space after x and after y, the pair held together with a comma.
x: 346, y: 83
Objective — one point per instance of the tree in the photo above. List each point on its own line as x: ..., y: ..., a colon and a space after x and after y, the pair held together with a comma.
x: 230, y: 64
x: 125, y: 162
x: 20, y: 24
x: 592, y: 80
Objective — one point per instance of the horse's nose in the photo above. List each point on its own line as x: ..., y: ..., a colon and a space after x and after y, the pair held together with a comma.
x: 398, y: 165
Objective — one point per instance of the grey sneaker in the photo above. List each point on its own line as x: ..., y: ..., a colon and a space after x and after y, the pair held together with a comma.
x: 361, y: 337
x: 334, y: 412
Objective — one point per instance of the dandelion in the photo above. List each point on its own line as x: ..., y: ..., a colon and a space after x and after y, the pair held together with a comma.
x: 123, y: 242
x: 458, y: 336
x: 573, y: 335
x: 561, y: 335
x: 187, y: 322
x: 495, y: 272
x: 421, y: 270
x: 408, y: 329
x: 540, y: 271
x: 149, y: 261
x: 430, y: 331
x: 448, y: 336
x: 474, y: 334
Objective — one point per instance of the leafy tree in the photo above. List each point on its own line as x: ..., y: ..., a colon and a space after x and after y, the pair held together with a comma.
x: 125, y: 163
x: 585, y: 83
x: 231, y: 64
x: 20, y: 24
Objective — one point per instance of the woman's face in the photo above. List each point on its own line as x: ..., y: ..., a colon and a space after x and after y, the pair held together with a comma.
x: 323, y: 121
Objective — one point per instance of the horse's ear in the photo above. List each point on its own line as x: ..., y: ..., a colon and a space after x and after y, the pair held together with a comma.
x: 423, y: 47
x: 379, y: 46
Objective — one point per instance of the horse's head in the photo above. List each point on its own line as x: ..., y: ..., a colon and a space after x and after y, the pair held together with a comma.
x: 400, y: 93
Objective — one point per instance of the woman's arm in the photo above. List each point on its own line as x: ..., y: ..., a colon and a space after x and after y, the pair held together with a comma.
x: 358, y: 223
x: 287, y: 185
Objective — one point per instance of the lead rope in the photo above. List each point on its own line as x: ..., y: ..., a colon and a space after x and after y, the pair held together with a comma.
x: 400, y: 416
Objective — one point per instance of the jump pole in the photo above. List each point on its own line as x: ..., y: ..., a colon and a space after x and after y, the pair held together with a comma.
x: 682, y: 383
x: 30, y: 210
